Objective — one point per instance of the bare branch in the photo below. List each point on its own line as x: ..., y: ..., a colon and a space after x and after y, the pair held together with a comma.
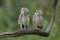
x: 52, y: 16
x: 23, y: 32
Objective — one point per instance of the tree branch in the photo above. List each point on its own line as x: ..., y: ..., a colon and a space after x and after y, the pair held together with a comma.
x: 37, y: 32
x: 53, y: 12
x: 23, y: 32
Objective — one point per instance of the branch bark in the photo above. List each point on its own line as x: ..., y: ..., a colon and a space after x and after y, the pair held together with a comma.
x: 53, y: 12
x: 37, y: 32
x: 23, y: 32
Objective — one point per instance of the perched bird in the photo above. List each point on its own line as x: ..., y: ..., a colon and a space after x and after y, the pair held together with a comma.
x: 24, y: 20
x: 38, y: 19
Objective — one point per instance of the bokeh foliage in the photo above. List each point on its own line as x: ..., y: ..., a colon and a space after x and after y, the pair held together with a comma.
x: 10, y: 10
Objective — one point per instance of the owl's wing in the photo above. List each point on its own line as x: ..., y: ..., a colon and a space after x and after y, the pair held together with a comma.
x: 28, y: 19
x: 41, y: 21
x: 19, y: 20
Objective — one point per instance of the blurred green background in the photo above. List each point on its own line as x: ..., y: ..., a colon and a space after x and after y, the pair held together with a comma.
x: 10, y: 10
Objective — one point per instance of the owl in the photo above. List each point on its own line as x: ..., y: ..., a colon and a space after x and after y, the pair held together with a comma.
x: 38, y: 19
x: 24, y: 19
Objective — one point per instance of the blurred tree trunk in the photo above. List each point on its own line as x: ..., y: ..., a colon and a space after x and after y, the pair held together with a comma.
x: 8, y: 5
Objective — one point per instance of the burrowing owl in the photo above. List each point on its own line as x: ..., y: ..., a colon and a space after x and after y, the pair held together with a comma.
x: 38, y: 19
x: 24, y: 20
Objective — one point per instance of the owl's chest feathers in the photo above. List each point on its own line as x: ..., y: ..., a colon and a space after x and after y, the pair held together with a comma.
x: 38, y: 19
x: 24, y: 18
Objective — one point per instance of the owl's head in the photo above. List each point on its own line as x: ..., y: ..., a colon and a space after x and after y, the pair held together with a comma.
x: 39, y: 12
x: 24, y: 11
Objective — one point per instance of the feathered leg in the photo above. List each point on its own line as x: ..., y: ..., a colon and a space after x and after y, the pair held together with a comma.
x: 21, y: 27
